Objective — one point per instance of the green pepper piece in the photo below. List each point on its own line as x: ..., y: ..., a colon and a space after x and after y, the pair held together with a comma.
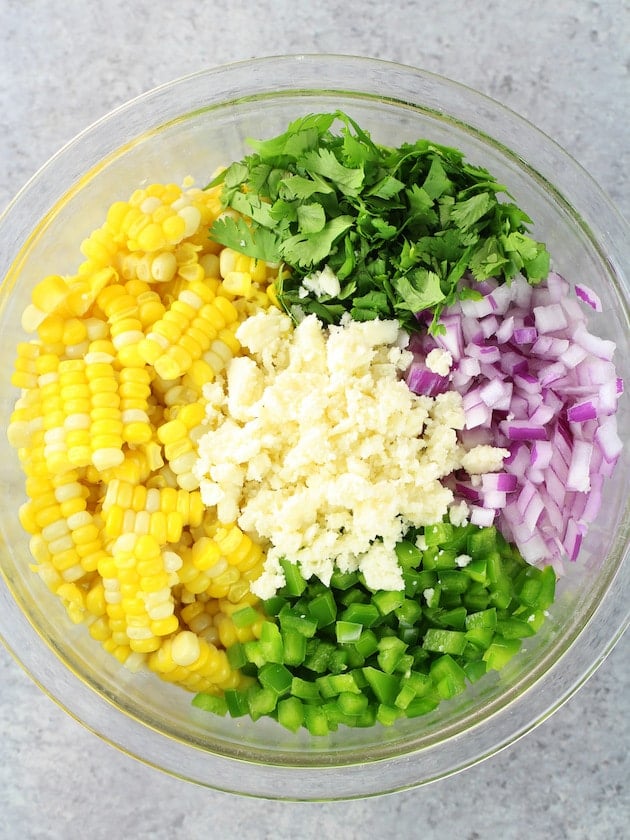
x: 318, y: 653
x: 390, y: 651
x: 254, y: 653
x: 351, y: 703
x: 409, y: 555
x: 330, y: 685
x: 445, y: 668
x: 290, y: 713
x: 294, y: 646
x: 476, y: 597
x: 270, y: 642
x: 343, y: 580
x: 481, y: 542
x: 480, y: 637
x: 483, y: 618
x: 454, y: 581
x: 388, y: 715
x: 548, y: 588
x: 387, y: 601
x: 245, y: 616
x: 210, y: 703
x: 439, y: 533
x: 453, y: 618
x: 236, y: 656
x: 439, y: 559
x: 514, y: 628
x: 273, y: 605
x: 294, y: 583
x: 315, y: 720
x: 347, y: 631
x: 408, y: 613
x: 260, y: 701
x: 476, y: 570
x: 365, y: 614
x: 444, y: 641
x: 422, y: 706
x: 323, y: 609
x: 355, y: 595
x: 236, y: 702
x: 305, y: 690
x: 500, y: 652
x: 291, y: 619
x: 385, y: 686
x: 276, y: 677
x: 338, y: 660
x: 475, y: 669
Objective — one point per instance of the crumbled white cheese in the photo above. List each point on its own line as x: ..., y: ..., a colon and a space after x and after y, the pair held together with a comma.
x: 463, y: 560
x: 483, y: 459
x: 458, y: 514
x: 319, y: 450
x: 421, y: 543
x: 428, y: 595
x: 322, y: 283
x: 439, y: 361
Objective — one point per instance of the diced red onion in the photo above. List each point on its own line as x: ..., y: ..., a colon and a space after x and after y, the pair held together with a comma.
x: 536, y: 382
x: 524, y: 335
x: 522, y: 430
x: 550, y: 318
x: 425, y: 382
x: 586, y: 294
x: 579, y: 469
x: 581, y: 411
x: 506, y: 482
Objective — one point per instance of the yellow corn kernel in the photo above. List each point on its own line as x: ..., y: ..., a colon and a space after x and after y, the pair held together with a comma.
x: 205, y: 554
x: 164, y: 626
x: 99, y: 629
x: 185, y: 648
x: 272, y: 294
x: 238, y: 283
x: 25, y: 373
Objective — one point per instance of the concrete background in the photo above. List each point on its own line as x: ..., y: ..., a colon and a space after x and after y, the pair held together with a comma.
x: 563, y: 65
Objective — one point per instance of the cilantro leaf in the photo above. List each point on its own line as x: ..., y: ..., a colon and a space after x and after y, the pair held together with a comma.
x: 236, y: 234
x: 324, y: 162
x: 306, y: 250
x: 405, y: 229
x: 418, y: 290
x: 297, y: 186
x: 311, y: 218
x: 465, y: 213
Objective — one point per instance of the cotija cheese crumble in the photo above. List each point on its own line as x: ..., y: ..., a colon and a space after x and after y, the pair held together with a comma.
x: 321, y: 453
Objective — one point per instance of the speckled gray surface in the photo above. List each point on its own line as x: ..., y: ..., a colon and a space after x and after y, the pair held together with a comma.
x: 564, y: 65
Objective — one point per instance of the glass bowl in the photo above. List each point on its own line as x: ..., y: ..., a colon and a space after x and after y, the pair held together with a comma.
x: 188, y: 128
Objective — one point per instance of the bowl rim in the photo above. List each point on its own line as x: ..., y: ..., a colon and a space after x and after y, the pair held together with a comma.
x: 358, y: 780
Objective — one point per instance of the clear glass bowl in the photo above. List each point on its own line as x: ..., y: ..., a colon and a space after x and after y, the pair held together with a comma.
x: 189, y: 127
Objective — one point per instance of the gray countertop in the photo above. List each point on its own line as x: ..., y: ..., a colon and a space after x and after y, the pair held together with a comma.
x: 566, y: 67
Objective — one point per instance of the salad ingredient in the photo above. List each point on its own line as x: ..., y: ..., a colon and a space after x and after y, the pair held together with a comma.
x: 375, y: 231
x: 189, y: 448
x: 348, y: 655
x: 105, y: 425
x: 538, y: 384
x: 317, y: 448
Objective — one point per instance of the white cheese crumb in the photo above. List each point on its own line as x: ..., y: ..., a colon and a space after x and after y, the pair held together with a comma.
x: 428, y: 595
x: 458, y: 514
x: 439, y: 361
x: 319, y: 451
x: 463, y: 560
x: 321, y: 283
x: 483, y: 459
x: 421, y: 542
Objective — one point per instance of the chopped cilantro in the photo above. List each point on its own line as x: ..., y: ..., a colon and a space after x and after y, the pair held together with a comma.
x: 404, y: 229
